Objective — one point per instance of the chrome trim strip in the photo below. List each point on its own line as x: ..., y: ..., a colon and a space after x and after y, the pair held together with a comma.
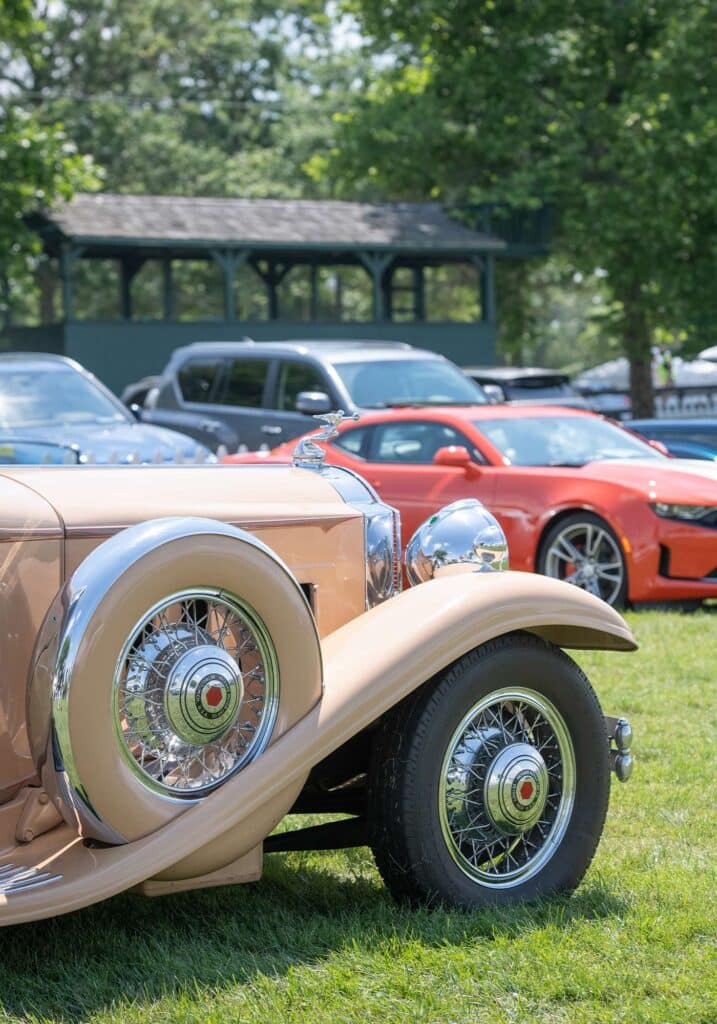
x: 18, y: 535
x: 16, y: 879
x: 105, y: 532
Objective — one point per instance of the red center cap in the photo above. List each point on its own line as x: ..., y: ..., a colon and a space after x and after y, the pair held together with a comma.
x: 214, y: 696
x: 526, y: 790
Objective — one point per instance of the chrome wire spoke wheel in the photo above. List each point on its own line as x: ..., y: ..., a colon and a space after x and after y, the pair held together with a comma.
x: 588, y: 556
x: 196, y: 691
x: 507, y: 787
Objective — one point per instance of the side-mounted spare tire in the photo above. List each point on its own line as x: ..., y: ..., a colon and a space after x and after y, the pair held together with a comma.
x: 490, y: 784
x: 172, y: 657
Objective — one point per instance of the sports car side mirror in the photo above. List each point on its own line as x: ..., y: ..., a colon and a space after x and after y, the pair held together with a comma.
x: 456, y: 455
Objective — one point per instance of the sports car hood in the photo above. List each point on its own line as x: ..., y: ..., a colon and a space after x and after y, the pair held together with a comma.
x: 688, y: 481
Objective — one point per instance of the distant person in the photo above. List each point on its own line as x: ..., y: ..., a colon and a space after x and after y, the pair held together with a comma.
x: 665, y: 374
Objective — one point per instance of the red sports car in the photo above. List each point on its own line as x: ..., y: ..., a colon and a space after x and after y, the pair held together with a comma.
x: 579, y: 497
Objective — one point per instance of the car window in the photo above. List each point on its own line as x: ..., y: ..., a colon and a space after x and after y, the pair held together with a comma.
x: 415, y: 441
x: 294, y: 378
x: 538, y: 389
x: 245, y: 383
x: 197, y: 380
x: 352, y: 440
x: 562, y: 440
x: 48, y: 395
x: 395, y: 382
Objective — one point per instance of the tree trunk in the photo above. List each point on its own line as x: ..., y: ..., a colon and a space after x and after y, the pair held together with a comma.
x: 641, y: 390
x: 637, y: 342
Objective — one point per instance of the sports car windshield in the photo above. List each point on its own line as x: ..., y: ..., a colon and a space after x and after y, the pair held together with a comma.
x: 397, y: 382
x: 562, y: 440
x: 41, y: 397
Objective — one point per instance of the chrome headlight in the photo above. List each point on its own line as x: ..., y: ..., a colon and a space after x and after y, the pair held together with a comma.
x: 687, y: 513
x: 383, y: 553
x: 464, y: 531
x: 382, y: 533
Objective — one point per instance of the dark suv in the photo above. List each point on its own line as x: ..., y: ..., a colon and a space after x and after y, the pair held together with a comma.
x: 266, y: 392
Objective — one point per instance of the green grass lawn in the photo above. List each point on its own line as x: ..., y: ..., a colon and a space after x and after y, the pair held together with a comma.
x: 318, y: 939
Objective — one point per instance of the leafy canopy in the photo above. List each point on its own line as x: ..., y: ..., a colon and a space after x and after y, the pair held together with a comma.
x: 608, y: 111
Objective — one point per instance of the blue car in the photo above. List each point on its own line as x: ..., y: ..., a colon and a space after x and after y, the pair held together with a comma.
x: 53, y: 411
x: 685, y: 439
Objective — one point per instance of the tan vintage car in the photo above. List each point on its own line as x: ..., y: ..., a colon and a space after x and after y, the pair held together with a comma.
x: 188, y: 654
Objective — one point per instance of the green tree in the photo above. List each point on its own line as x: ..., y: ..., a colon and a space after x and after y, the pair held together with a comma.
x: 606, y: 110
x: 38, y: 163
x: 188, y: 97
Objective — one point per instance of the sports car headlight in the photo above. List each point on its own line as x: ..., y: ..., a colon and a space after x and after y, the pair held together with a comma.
x: 687, y: 513
x: 383, y: 553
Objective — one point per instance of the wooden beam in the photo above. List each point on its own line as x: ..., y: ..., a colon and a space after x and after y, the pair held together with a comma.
x: 69, y: 254
x: 229, y: 261
x: 377, y: 264
x: 487, y: 290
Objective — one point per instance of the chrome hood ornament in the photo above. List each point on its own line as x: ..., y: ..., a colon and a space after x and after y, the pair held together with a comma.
x: 307, y: 454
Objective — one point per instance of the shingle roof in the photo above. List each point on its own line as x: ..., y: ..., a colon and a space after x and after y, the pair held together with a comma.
x: 290, y: 223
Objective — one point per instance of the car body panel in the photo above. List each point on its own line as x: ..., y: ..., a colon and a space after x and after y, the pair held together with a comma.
x: 362, y: 679
x: 121, y: 440
x: 666, y: 560
x: 52, y: 518
x: 265, y: 424
x: 685, y: 439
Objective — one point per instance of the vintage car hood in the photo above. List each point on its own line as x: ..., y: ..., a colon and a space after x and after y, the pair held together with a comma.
x: 25, y: 513
x: 96, y: 499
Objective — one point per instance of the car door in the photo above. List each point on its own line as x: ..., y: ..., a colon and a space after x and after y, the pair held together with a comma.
x: 399, y: 464
x: 243, y: 399
x: 289, y: 378
x: 187, y: 403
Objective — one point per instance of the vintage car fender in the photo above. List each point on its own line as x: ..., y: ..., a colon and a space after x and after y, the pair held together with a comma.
x: 428, y: 627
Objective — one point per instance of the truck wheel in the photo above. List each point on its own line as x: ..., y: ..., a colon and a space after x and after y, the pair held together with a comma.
x: 583, y: 550
x: 490, y: 785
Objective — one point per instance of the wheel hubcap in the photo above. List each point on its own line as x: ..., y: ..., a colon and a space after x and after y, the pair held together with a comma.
x: 587, y: 556
x: 516, y: 788
x: 507, y: 787
x: 196, y: 692
x: 204, y: 691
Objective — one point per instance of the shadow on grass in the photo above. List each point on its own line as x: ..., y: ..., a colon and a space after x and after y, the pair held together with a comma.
x: 133, y: 950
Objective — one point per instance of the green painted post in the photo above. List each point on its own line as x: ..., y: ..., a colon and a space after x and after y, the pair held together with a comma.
x: 167, y: 289
x: 487, y: 292
x: 67, y: 260
x: 377, y: 264
x: 314, y: 295
x: 126, y: 276
x: 419, y: 294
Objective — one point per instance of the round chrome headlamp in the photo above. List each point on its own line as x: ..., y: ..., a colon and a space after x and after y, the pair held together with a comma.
x: 462, y: 532
x: 383, y: 553
x: 382, y: 533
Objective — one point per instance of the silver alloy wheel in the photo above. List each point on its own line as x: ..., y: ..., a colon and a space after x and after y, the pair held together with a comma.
x: 196, y: 691
x: 587, y: 555
x: 507, y: 787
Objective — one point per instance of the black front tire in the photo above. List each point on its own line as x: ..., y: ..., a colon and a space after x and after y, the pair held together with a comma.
x: 578, y: 526
x: 407, y: 836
